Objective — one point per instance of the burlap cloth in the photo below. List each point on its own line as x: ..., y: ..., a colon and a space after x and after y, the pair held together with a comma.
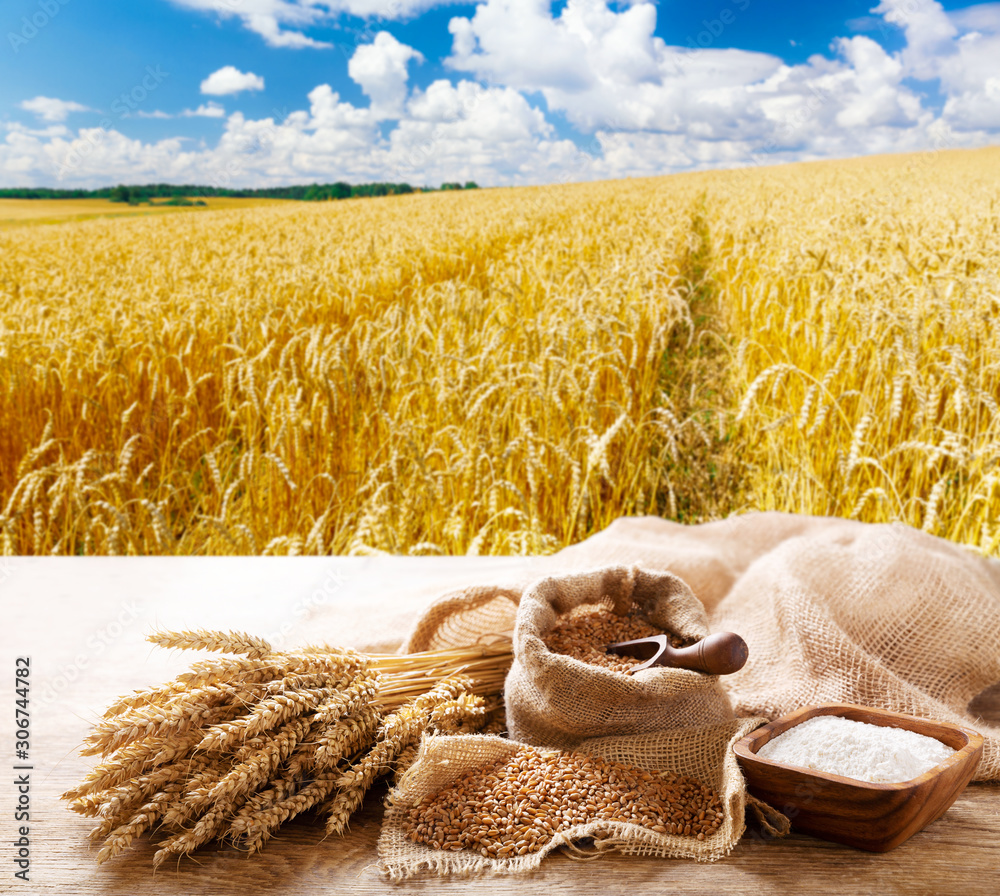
x: 703, y: 753
x: 832, y: 610
x: 558, y: 701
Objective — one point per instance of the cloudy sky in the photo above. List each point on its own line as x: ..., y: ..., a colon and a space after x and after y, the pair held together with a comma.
x: 267, y: 92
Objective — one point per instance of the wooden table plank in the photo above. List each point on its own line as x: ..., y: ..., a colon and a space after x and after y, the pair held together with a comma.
x: 83, y: 623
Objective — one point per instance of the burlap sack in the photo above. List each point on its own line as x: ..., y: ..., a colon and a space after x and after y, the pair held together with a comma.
x: 833, y: 610
x: 704, y: 753
x: 884, y: 616
x: 558, y: 701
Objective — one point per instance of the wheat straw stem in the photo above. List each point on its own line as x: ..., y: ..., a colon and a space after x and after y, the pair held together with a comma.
x: 398, y: 731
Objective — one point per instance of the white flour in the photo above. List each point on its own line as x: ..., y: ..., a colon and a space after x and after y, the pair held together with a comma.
x: 856, y: 750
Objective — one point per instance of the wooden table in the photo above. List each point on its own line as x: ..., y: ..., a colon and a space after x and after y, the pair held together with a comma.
x: 83, y: 622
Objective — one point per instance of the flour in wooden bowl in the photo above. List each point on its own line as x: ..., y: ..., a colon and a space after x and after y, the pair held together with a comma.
x: 873, y: 753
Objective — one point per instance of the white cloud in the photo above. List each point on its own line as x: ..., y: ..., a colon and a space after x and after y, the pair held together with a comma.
x: 48, y: 108
x: 379, y: 68
x: 464, y: 119
x: 929, y: 33
x: 871, y: 94
x: 983, y: 17
x: 960, y: 49
x: 267, y: 27
x: 156, y: 113
x: 449, y: 132
x: 516, y: 42
x: 229, y: 80
x: 642, y: 106
x: 205, y: 110
x: 53, y: 130
x: 609, y: 73
x: 281, y: 22
x: 978, y: 109
x: 266, y: 17
x: 971, y: 81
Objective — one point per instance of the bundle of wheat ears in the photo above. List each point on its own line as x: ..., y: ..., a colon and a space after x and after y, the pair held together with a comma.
x: 238, y: 746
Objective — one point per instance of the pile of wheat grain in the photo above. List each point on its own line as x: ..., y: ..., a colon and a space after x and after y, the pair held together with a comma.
x: 513, y: 807
x: 586, y: 631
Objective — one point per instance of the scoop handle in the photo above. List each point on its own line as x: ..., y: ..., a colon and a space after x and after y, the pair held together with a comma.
x: 718, y: 654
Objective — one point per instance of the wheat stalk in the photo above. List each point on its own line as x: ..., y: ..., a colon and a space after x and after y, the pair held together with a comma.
x: 238, y: 746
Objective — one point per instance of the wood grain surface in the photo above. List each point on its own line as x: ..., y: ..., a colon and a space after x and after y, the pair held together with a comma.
x: 83, y: 624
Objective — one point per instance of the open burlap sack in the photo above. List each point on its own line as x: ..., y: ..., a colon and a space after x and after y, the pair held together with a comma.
x: 558, y: 701
x: 703, y: 753
x: 832, y: 610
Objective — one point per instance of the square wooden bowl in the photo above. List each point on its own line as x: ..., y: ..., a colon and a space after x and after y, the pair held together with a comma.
x: 876, y: 817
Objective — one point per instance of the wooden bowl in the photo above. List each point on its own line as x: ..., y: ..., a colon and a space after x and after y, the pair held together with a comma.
x: 876, y: 817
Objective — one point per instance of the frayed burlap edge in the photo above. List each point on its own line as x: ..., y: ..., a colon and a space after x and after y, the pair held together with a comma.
x: 702, y: 753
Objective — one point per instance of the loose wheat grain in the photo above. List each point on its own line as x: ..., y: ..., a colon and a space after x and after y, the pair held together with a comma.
x: 586, y: 631
x: 513, y: 807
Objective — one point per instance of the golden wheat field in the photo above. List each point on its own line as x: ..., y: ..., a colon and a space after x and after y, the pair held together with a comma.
x: 508, y: 370
x: 19, y: 212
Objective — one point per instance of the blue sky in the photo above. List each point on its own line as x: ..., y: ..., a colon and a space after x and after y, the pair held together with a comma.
x: 262, y: 92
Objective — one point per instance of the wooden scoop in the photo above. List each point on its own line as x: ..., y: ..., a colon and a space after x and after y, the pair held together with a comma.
x: 718, y: 654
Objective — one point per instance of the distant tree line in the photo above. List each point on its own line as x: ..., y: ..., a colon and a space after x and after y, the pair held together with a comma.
x: 177, y: 193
